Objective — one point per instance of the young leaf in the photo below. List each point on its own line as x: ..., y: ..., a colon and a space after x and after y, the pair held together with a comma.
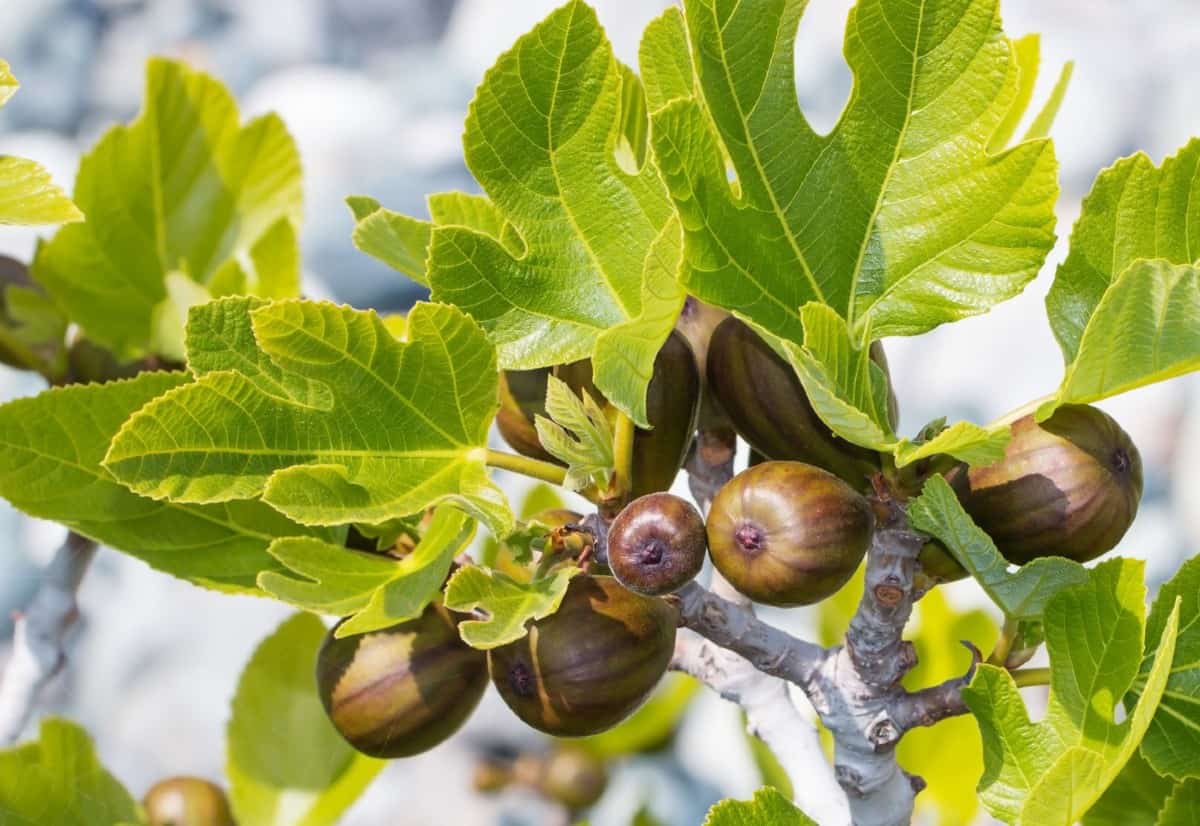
x: 899, y: 219
x: 183, y: 190
x: 1050, y: 773
x: 577, y: 432
x: 594, y: 272
x: 378, y: 590
x: 1172, y: 744
x: 27, y: 195
x: 318, y: 775
x: 1021, y: 595
x: 509, y: 603
x: 51, y: 446
x: 322, y: 412
x: 58, y: 780
x: 768, y: 808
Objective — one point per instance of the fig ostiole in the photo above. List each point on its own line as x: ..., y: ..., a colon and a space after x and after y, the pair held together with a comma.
x: 1069, y: 486
x: 402, y: 690
x: 788, y: 533
x: 589, y: 665
x: 766, y: 404
x: 656, y: 544
x: 187, y: 801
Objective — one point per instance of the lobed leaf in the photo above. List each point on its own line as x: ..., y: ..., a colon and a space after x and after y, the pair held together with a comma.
x: 509, y: 603
x: 372, y: 590
x: 319, y: 410
x: 50, y: 467
x: 1022, y: 595
x: 768, y: 808
x: 318, y: 775
x: 577, y: 431
x: 900, y: 219
x: 1183, y: 806
x: 185, y: 190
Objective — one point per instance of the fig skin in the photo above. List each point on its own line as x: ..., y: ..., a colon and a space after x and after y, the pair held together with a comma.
x: 765, y: 402
x: 588, y: 666
x: 656, y: 544
x: 522, y: 398
x: 1069, y: 486
x: 187, y: 801
x: 788, y: 533
x: 402, y: 690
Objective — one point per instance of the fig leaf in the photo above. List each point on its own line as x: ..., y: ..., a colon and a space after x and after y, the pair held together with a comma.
x: 509, y: 604
x: 768, y: 808
x: 577, y: 432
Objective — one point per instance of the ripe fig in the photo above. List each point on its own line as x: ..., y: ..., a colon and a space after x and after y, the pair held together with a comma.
x: 656, y: 544
x: 523, y: 397
x: 766, y: 404
x: 672, y: 405
x: 402, y: 690
x: 588, y: 666
x: 187, y: 801
x: 787, y: 533
x: 1069, y: 486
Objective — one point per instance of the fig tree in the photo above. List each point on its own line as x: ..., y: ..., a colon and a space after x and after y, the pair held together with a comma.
x: 402, y: 690
x: 656, y: 544
x: 766, y: 404
x: 187, y: 801
x: 588, y: 666
x: 1069, y: 486
x: 788, y: 533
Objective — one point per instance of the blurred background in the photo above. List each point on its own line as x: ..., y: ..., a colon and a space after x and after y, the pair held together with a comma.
x: 375, y: 92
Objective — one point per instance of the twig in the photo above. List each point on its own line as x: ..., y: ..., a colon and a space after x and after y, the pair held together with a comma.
x: 39, y: 633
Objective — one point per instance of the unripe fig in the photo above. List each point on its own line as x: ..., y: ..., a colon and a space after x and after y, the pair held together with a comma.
x: 522, y: 398
x: 573, y: 778
x: 656, y: 544
x: 672, y: 407
x: 187, y: 801
x: 787, y: 533
x: 588, y: 666
x: 764, y: 400
x: 1069, y: 486
x: 402, y: 690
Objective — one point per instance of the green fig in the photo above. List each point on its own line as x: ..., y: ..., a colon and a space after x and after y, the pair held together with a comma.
x: 1069, y: 486
x: 573, y: 778
x: 402, y: 690
x: 656, y: 544
x: 788, y: 533
x: 187, y: 801
x: 766, y: 404
x: 522, y: 398
x: 589, y: 665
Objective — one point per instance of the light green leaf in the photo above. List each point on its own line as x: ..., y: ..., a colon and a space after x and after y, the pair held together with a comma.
x: 58, y: 780
x: 768, y: 808
x: 1044, y: 121
x: 965, y: 441
x: 396, y: 240
x: 378, y: 590
x: 51, y: 447
x: 1021, y: 595
x: 325, y: 415
x: 27, y: 195
x: 595, y: 275
x: 665, y: 60
x: 1050, y: 773
x: 899, y: 219
x: 1183, y: 807
x: 576, y: 431
x: 169, y: 317
x: 1134, y: 799
x: 182, y: 189
x: 509, y: 603
x: 1027, y: 51
x: 1172, y: 745
x: 286, y: 763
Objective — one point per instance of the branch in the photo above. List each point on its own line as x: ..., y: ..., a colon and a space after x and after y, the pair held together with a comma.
x: 934, y: 704
x: 38, y: 635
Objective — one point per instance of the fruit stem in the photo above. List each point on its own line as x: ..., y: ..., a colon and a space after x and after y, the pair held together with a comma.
x: 1026, y: 677
x: 623, y: 455
x: 1008, y: 635
x: 533, y: 468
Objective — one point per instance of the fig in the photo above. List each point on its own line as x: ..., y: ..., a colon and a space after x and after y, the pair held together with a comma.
x: 656, y: 544
x: 672, y: 405
x: 788, y: 533
x: 522, y: 398
x: 588, y: 666
x: 187, y: 801
x: 1069, y: 486
x: 573, y: 778
x: 402, y: 690
x: 766, y: 404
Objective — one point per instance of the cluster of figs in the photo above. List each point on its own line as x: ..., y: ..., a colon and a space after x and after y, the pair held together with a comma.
x: 789, y: 530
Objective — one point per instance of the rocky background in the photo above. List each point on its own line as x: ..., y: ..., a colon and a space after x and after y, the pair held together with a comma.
x: 375, y: 92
